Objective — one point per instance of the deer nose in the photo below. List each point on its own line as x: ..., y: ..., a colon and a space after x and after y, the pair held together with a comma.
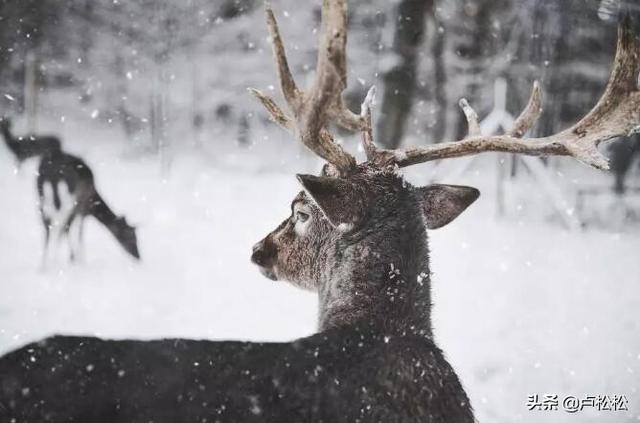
x: 260, y: 256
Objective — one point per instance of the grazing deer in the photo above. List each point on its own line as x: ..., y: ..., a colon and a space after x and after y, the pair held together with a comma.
x: 29, y: 145
x: 67, y: 194
x: 357, y: 236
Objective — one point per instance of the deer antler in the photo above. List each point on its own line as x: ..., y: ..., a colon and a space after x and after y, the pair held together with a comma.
x: 314, y: 109
x: 617, y: 113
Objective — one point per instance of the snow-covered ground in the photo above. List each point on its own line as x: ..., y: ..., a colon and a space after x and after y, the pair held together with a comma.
x: 521, y: 306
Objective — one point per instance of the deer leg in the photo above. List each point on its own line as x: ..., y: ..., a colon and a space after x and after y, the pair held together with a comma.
x: 46, y: 212
x: 80, y: 238
x: 70, y: 234
x: 76, y: 236
x: 46, y: 223
x: 70, y: 230
x: 67, y: 213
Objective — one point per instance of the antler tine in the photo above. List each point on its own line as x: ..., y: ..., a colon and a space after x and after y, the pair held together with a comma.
x: 322, y: 148
x: 290, y: 90
x: 329, y: 83
x: 530, y: 114
x: 331, y: 76
x: 617, y: 113
x: 346, y: 119
x: 331, y: 68
x: 312, y: 111
x: 472, y: 118
x: 367, y: 134
x: 277, y: 115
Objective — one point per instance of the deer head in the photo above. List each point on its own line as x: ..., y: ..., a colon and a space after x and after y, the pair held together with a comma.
x: 5, y: 123
x: 360, y: 241
x: 5, y: 127
x: 357, y: 233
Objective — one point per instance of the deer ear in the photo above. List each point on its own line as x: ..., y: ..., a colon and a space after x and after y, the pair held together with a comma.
x: 443, y: 203
x: 336, y: 197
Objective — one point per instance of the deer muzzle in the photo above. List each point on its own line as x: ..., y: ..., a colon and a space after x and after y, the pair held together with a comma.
x: 263, y: 256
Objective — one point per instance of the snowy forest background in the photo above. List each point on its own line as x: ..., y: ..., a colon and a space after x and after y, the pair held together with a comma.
x: 536, y: 287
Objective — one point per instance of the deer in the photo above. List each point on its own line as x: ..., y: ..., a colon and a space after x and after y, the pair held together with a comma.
x: 27, y: 146
x: 357, y: 236
x: 67, y: 195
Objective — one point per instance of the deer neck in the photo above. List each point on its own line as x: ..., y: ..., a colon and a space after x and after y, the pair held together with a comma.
x: 101, y: 211
x: 8, y: 137
x: 382, y: 282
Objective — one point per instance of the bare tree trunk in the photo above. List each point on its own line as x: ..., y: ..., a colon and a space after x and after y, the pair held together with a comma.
x: 197, y: 120
x: 163, y: 140
x: 439, y: 81
x: 153, y: 122
x: 244, y: 131
x: 86, y: 41
x: 400, y: 81
x: 475, y: 48
x: 31, y: 91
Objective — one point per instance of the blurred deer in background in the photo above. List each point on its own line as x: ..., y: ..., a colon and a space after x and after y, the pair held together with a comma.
x: 67, y: 194
x: 357, y: 235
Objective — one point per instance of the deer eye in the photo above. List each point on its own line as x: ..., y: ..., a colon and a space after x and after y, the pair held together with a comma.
x: 301, y: 216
